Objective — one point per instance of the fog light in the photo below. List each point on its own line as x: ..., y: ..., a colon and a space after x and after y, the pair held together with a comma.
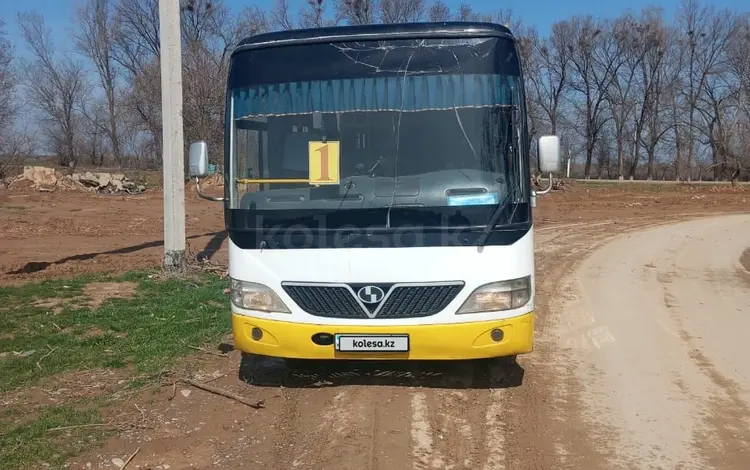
x: 257, y: 334
x: 322, y: 339
x: 496, y: 335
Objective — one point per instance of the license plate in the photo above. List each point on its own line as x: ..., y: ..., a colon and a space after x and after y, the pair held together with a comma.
x: 372, y: 343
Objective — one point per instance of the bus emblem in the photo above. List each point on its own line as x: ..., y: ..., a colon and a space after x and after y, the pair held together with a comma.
x: 371, y: 294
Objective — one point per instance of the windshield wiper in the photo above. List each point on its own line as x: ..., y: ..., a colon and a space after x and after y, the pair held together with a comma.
x: 493, y: 219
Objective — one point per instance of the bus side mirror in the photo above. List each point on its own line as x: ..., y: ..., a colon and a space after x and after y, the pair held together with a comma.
x: 198, y: 160
x: 198, y: 163
x: 549, y: 154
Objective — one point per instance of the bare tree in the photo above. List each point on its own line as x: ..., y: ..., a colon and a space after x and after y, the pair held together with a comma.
x: 8, y: 82
x: 251, y: 21
x: 739, y: 61
x: 280, y: 15
x: 467, y: 13
x: 210, y: 33
x: 91, y: 136
x: 94, y: 40
x: 196, y: 19
x: 550, y: 80
x: 55, y: 87
x: 313, y: 16
x: 136, y: 34
x: 136, y: 49
x: 657, y: 77
x: 439, y: 12
x: 719, y: 108
x: 603, y: 151
x: 527, y: 44
x: 401, y: 11
x: 356, y: 11
x: 706, y: 35
x: 596, y: 60
x: 613, y: 90
x: 14, y: 145
x: 630, y: 37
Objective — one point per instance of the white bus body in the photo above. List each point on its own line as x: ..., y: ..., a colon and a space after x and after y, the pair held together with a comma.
x: 421, y: 179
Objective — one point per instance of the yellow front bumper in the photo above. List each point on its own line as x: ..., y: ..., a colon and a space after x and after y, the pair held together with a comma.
x: 441, y: 342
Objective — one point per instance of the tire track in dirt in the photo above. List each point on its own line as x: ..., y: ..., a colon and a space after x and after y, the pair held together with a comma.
x: 343, y: 426
x: 489, y: 422
x: 494, y: 428
x: 544, y: 421
x: 422, y: 435
x: 460, y: 411
x: 723, y: 438
x: 431, y: 424
x: 467, y: 427
x: 330, y: 423
x: 584, y: 336
x: 332, y: 428
x: 349, y: 422
x: 390, y: 432
x: 453, y: 417
x: 466, y: 420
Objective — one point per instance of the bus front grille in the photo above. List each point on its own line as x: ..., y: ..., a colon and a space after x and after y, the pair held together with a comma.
x: 399, y: 301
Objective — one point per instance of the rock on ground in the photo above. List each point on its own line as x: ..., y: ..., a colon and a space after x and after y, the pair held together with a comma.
x: 47, y: 179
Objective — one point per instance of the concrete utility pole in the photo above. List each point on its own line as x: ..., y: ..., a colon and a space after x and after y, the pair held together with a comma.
x: 172, y: 141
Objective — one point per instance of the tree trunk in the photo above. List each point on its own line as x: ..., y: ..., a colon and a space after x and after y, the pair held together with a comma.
x: 677, y: 141
x: 589, y: 156
x: 620, y: 154
x: 651, y: 151
x: 114, y: 137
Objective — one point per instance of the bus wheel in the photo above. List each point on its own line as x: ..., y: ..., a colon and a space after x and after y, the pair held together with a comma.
x: 507, y: 360
x: 300, y: 365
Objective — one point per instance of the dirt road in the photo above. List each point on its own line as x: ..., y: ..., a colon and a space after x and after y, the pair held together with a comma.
x: 652, y: 398
x: 660, y: 324
x: 639, y: 363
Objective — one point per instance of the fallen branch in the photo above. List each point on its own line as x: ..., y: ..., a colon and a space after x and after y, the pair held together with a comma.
x: 62, y: 428
x: 143, y: 415
x: 215, y: 378
x: 51, y: 350
x: 224, y: 393
x: 208, y: 352
x: 130, y: 458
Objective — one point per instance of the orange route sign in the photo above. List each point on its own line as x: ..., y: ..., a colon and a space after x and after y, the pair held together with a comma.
x: 324, y: 162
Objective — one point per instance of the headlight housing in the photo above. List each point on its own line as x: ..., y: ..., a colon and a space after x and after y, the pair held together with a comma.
x: 497, y: 296
x: 254, y: 296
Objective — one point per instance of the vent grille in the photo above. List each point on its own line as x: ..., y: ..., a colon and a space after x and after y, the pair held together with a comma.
x: 400, y: 301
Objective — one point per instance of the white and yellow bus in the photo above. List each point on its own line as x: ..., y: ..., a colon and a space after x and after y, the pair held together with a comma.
x: 377, y: 193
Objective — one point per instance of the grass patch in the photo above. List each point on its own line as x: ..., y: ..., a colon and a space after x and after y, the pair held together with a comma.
x: 34, y: 442
x: 147, y: 331
x: 57, y: 326
x: 11, y: 208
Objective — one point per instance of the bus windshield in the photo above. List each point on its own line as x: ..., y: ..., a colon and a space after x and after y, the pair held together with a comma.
x: 418, y: 132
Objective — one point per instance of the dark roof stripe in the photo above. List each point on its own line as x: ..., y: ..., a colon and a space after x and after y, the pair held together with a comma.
x: 374, y: 31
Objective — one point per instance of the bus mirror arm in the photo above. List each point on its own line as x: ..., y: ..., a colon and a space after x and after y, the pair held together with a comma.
x: 549, y: 188
x: 198, y: 190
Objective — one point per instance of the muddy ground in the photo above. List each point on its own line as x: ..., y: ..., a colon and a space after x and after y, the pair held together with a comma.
x: 535, y: 414
x: 64, y: 233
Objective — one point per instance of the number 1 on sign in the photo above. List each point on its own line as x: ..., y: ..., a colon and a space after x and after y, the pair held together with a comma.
x: 324, y: 162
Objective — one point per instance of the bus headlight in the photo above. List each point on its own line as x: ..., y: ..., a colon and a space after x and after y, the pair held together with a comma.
x: 502, y: 295
x: 254, y: 296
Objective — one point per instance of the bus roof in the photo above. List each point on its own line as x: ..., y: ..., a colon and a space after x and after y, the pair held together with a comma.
x: 451, y: 29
